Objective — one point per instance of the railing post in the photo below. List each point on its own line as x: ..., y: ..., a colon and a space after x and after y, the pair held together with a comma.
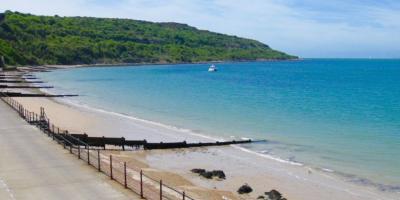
x: 88, y: 155
x: 48, y: 127
x: 79, y: 151
x: 126, y: 183
x: 52, y: 133
x: 141, y: 184
x: 98, y: 160
x: 183, y: 195
x: 160, y: 189
x: 111, y: 169
x: 70, y: 148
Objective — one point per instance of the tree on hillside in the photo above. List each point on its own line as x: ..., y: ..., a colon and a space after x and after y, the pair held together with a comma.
x: 2, y: 63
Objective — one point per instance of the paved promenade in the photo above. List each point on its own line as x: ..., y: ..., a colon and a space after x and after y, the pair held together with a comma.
x: 32, y: 167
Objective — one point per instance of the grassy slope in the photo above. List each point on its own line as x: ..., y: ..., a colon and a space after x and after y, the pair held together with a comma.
x: 33, y: 40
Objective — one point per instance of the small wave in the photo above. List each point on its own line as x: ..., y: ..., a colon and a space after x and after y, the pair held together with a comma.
x: 327, y: 170
x: 269, y: 156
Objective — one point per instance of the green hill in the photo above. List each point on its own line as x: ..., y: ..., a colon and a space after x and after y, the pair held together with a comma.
x: 27, y: 39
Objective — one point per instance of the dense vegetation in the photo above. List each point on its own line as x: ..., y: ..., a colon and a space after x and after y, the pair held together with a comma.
x: 27, y: 39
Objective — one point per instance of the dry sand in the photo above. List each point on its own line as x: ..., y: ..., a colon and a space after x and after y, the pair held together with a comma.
x: 173, y: 166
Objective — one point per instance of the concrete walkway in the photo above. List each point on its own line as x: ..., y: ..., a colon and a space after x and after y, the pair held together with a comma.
x: 32, y: 166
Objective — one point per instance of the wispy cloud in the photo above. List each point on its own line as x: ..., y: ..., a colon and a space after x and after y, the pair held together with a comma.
x: 309, y: 28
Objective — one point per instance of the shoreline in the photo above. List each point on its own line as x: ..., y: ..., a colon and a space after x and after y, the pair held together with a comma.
x: 48, y: 66
x: 198, y: 156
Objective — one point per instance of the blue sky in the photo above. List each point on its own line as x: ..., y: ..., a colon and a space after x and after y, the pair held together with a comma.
x: 307, y: 28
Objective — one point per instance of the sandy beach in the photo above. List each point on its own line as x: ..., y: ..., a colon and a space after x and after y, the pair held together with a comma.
x: 240, y: 166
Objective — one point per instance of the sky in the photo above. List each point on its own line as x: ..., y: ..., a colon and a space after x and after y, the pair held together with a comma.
x: 306, y: 28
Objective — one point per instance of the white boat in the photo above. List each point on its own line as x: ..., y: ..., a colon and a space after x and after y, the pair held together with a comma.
x: 212, y: 68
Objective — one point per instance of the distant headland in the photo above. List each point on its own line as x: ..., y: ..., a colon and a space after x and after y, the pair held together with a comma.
x: 27, y: 39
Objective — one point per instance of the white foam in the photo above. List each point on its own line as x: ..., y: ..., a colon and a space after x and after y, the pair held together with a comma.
x: 4, y: 186
x: 268, y: 156
x: 327, y: 170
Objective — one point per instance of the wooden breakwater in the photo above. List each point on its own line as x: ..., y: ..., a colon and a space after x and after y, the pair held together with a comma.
x: 17, y: 77
x: 24, y: 86
x: 19, y: 81
x: 19, y: 94
x: 184, y: 144
x: 101, y: 142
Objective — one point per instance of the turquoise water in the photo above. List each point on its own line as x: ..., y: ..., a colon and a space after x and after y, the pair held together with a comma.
x: 342, y: 115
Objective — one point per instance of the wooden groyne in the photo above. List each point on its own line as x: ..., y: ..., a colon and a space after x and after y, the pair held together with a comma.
x: 79, y: 139
x: 19, y: 81
x: 15, y: 75
x: 101, y: 142
x: 21, y: 86
x: 18, y: 77
x: 18, y: 94
x: 184, y: 144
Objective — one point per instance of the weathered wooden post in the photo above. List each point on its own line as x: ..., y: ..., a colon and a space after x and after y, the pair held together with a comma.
x: 53, y: 131
x: 125, y: 182
x: 98, y: 160
x: 111, y: 169
x: 48, y: 127
x: 160, y: 189
x: 183, y: 195
x: 41, y: 113
x: 88, y: 155
x: 79, y: 151
x: 123, y: 143
x: 141, y: 184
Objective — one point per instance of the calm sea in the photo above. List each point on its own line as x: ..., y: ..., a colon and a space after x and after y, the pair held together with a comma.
x: 340, y: 115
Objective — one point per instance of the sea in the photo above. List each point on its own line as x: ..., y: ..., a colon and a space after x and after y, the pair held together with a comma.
x: 340, y: 116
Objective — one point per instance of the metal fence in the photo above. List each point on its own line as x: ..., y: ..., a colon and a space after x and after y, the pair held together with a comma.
x: 127, y: 174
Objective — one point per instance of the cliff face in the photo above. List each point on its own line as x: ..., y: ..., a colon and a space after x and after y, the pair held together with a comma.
x: 30, y: 39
